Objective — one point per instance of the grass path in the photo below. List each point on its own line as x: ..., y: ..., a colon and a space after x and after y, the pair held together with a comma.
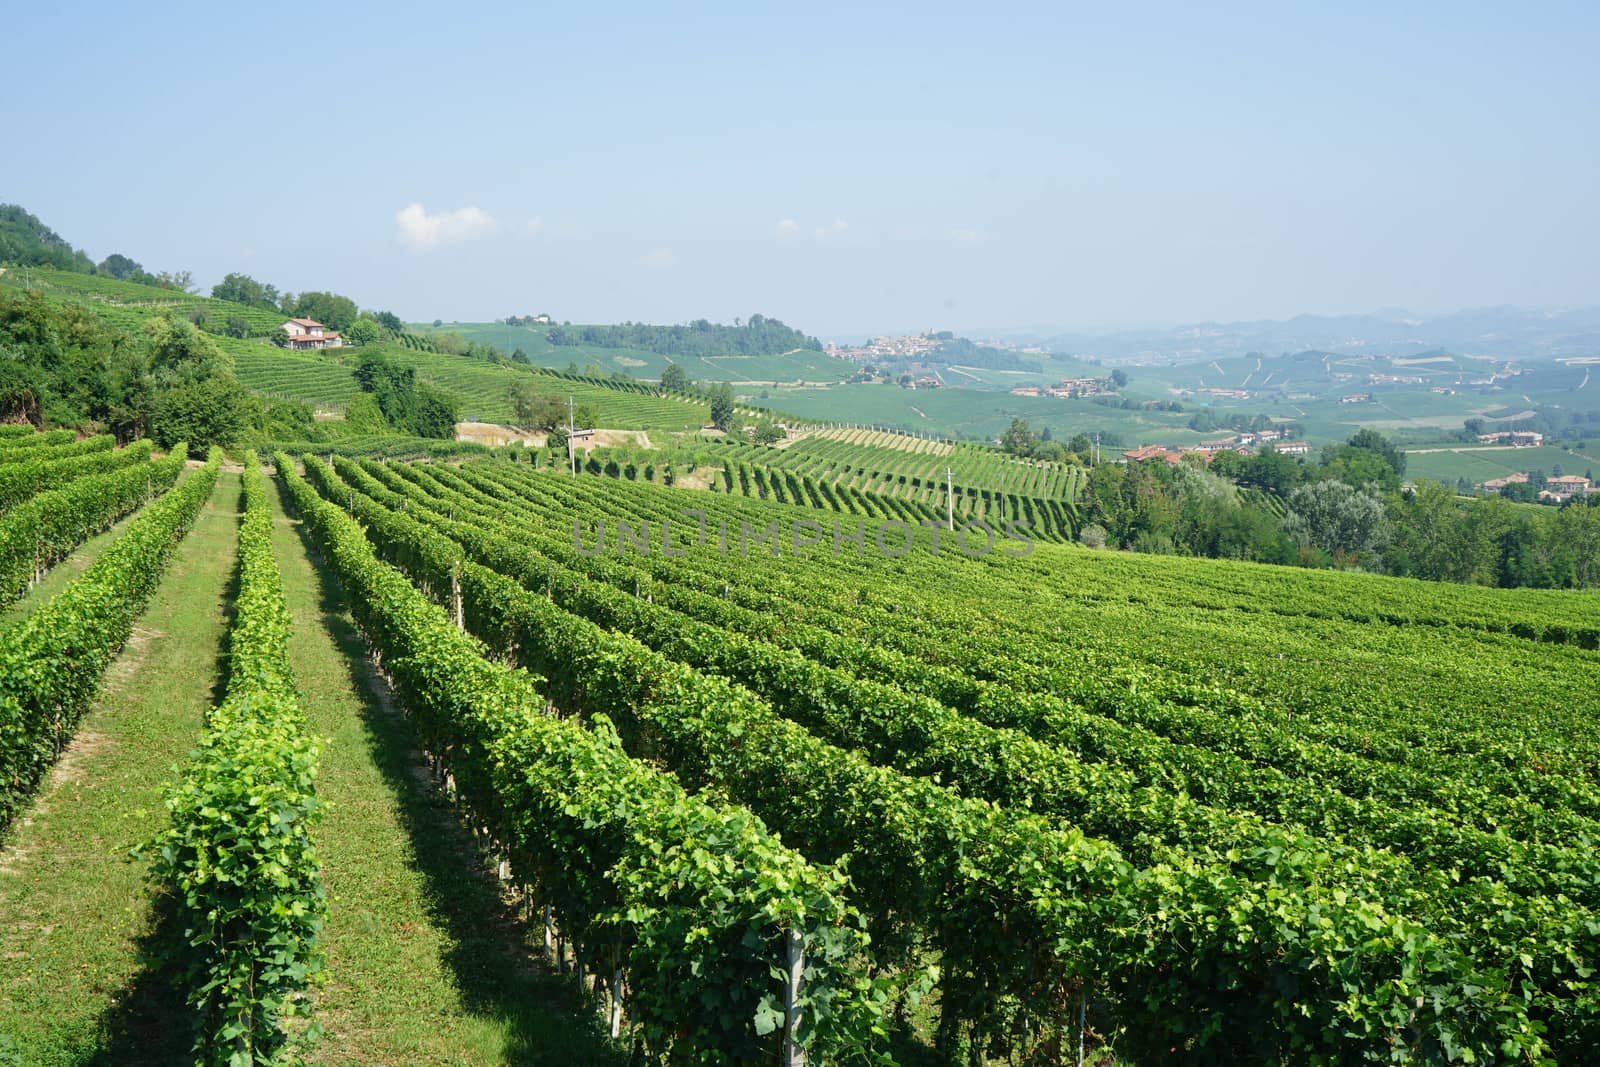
x: 75, y: 911
x: 426, y: 964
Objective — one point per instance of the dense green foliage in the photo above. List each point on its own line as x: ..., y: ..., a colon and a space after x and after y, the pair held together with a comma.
x: 1152, y: 945
x: 760, y: 336
x: 51, y: 662
x: 1349, y: 511
x: 237, y: 857
x: 28, y: 242
x: 411, y: 406
x: 167, y: 380
x: 39, y: 532
x: 691, y: 901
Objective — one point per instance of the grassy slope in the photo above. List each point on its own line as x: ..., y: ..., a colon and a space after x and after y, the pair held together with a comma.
x: 71, y: 988
x: 425, y: 963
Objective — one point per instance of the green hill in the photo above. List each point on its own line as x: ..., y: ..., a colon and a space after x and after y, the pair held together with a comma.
x: 796, y: 364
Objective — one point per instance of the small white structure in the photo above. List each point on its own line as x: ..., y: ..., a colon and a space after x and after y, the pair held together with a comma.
x: 309, y: 333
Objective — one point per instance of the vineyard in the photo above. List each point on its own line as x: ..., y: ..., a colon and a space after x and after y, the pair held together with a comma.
x: 127, y: 304
x: 792, y: 773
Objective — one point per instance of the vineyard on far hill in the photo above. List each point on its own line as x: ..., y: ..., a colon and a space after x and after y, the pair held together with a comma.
x: 328, y: 381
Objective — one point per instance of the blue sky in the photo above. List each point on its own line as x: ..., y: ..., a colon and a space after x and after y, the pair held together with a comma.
x: 848, y: 168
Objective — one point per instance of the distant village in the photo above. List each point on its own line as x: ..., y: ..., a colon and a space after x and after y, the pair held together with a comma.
x: 1069, y: 388
x: 912, y: 347
x: 1241, y: 443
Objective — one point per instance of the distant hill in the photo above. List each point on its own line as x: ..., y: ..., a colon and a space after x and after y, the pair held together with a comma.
x: 756, y: 352
x: 27, y: 242
x: 1502, y: 332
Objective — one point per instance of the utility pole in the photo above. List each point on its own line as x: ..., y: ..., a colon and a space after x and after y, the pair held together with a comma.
x: 572, y: 448
x: 950, y: 498
x: 1095, y: 459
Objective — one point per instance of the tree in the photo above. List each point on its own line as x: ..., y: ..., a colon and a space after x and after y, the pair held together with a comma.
x: 1373, y: 441
x: 437, y: 413
x: 1119, y: 377
x: 674, y: 379
x: 243, y: 289
x: 330, y: 309
x: 769, y: 433
x: 722, y: 406
x: 119, y: 266
x: 238, y: 326
x: 182, y: 281
x: 210, y: 411
x: 364, y: 331
x: 176, y: 349
x: 1018, y: 439
x: 391, y: 322
x: 1577, y: 530
x: 532, y: 410
x: 1337, y: 518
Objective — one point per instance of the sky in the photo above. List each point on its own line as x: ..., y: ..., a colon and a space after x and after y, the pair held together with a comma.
x: 848, y: 168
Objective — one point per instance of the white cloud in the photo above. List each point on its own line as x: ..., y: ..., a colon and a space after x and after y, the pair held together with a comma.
x: 788, y: 228
x: 533, y: 227
x: 834, y: 229
x: 658, y: 257
x: 421, y: 231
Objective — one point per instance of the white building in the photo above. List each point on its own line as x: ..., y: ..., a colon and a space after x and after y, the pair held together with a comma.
x: 309, y: 333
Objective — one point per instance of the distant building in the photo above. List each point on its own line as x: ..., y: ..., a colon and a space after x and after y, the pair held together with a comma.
x: 1517, y: 438
x: 309, y: 333
x: 1494, y: 485
x: 1293, y: 448
x: 1567, y: 483
x: 583, y: 439
x: 927, y: 382
x: 1356, y: 398
x: 541, y: 320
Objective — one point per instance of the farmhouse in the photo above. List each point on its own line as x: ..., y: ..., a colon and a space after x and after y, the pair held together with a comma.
x: 1293, y: 448
x: 1519, y: 438
x: 1494, y: 485
x: 309, y: 333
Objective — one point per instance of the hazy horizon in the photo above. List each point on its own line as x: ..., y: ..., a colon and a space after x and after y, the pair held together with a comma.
x: 850, y: 172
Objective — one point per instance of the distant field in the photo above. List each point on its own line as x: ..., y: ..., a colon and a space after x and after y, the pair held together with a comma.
x: 972, y: 414
x: 1480, y: 466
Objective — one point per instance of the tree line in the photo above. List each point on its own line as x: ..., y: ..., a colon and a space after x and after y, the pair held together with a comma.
x: 1348, y: 510
x: 27, y: 242
x: 759, y: 336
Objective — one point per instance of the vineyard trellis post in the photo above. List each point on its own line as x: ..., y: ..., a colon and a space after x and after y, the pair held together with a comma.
x: 793, y: 1054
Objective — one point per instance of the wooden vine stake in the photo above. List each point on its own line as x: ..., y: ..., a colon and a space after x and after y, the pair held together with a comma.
x: 616, y: 993
x: 1083, y: 1005
x: 457, y: 608
x: 793, y: 1054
